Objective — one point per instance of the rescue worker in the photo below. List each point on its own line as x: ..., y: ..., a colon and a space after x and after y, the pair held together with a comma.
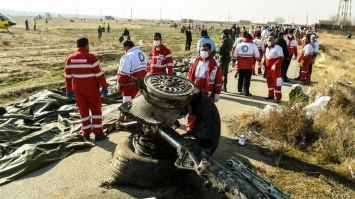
x: 261, y: 48
x: 132, y: 64
x: 237, y: 41
x: 160, y: 58
x: 103, y: 26
x: 252, y: 31
x: 291, y: 43
x: 245, y: 53
x: 83, y: 77
x: 205, y: 38
x: 273, y: 59
x: 188, y: 39
x: 206, y: 73
x: 315, y: 46
x: 305, y: 60
x: 224, y: 52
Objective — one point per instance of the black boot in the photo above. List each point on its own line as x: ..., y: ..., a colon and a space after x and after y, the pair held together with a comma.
x: 224, y: 88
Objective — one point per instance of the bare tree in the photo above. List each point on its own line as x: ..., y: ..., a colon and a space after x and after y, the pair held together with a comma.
x: 280, y: 19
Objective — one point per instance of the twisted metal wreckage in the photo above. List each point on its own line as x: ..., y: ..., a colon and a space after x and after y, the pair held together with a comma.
x: 150, y: 154
x: 162, y: 101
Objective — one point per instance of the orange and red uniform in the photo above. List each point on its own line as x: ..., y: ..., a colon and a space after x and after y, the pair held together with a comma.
x: 84, y: 76
x: 160, y: 60
x: 207, y: 75
x: 273, y: 56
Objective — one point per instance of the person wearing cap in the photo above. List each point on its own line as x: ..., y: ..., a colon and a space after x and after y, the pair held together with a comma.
x: 205, y: 38
x: 245, y: 53
x: 261, y: 47
x: 206, y: 73
x: 132, y: 64
x: 305, y: 60
x: 225, y: 57
x: 83, y: 77
x: 188, y: 39
x: 273, y: 60
x: 160, y: 58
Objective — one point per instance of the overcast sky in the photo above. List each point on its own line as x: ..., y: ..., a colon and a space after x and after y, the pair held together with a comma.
x: 293, y: 11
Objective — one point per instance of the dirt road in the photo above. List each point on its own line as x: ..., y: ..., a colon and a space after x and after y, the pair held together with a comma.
x: 80, y: 174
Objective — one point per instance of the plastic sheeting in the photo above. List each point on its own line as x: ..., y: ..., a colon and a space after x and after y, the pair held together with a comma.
x: 43, y: 129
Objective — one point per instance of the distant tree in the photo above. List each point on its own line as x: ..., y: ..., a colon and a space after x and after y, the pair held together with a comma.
x: 280, y: 19
x: 47, y: 14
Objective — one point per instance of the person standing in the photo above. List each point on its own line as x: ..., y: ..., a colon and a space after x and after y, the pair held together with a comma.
x: 225, y: 59
x: 287, y: 58
x: 34, y: 24
x: 99, y: 32
x: 108, y: 28
x: 261, y: 47
x: 205, y: 38
x: 305, y: 60
x: 160, y: 58
x: 315, y: 46
x: 103, y: 26
x: 273, y: 60
x: 206, y: 73
x: 233, y: 31
x: 26, y: 23
x: 245, y: 53
x: 132, y: 64
x: 291, y: 43
x: 188, y: 39
x: 83, y: 77
x: 349, y: 34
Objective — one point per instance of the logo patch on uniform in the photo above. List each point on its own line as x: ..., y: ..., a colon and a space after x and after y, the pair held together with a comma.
x: 79, y: 61
x: 141, y: 56
x: 245, y: 48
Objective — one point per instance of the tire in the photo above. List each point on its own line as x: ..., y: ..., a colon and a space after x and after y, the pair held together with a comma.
x: 129, y: 168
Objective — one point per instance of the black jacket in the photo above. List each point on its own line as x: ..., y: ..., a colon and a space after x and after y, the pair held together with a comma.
x: 188, y: 36
x: 282, y: 43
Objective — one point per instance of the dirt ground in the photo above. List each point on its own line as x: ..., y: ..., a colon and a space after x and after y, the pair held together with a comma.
x: 80, y: 174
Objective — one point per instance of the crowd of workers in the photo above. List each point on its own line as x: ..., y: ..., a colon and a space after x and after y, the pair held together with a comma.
x: 258, y: 50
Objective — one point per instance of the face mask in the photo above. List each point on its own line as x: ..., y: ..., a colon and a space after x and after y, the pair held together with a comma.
x: 204, y: 54
x: 156, y: 42
x: 269, y: 43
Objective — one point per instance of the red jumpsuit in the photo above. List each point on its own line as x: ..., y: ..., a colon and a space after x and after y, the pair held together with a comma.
x: 132, y: 64
x: 84, y: 76
x: 208, y: 77
x: 160, y: 60
x: 307, y: 58
x: 291, y: 45
x: 274, y: 56
x: 261, y: 48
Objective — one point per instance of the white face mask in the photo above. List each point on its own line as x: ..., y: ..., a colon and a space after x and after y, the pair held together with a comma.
x: 269, y: 43
x: 204, y: 54
x: 156, y: 42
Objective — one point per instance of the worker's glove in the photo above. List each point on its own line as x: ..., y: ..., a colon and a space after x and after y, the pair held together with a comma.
x: 70, y: 95
x: 215, y: 97
x: 301, y: 63
x: 104, y: 92
x: 273, y: 67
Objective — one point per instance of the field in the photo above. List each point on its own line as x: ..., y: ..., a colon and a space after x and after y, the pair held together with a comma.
x: 34, y: 60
